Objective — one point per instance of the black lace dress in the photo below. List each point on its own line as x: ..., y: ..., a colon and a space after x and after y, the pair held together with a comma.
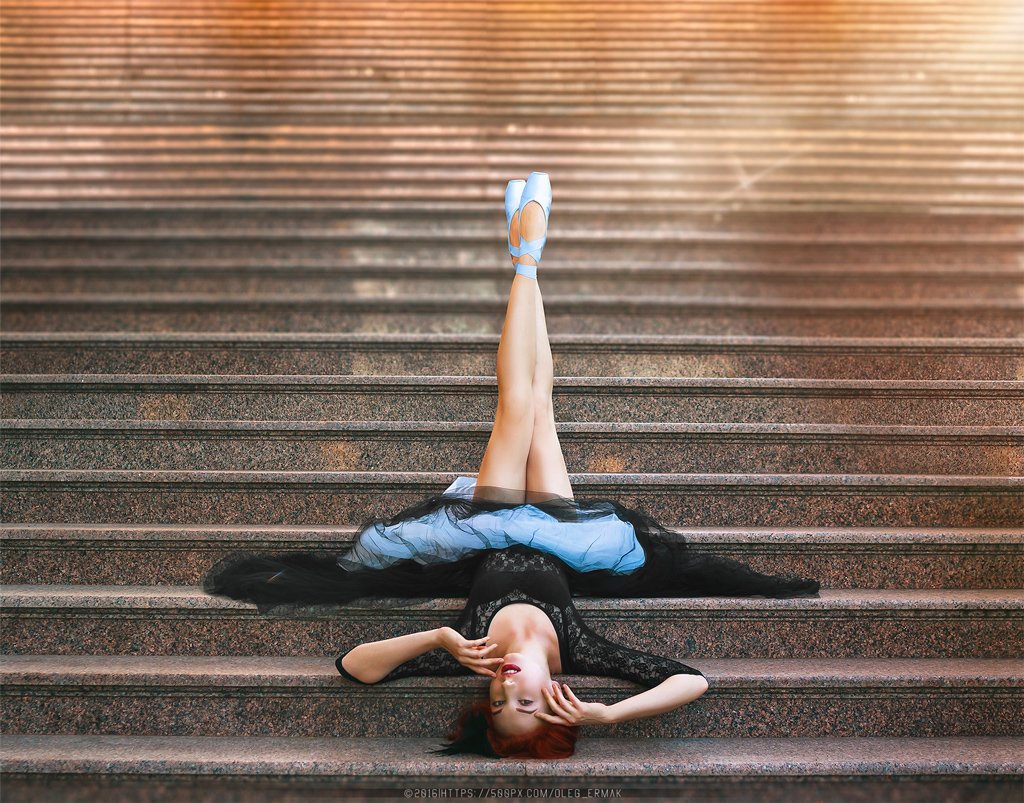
x: 427, y: 565
x: 521, y: 575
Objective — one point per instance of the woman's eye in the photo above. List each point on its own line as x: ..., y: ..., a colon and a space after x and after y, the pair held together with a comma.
x: 526, y: 702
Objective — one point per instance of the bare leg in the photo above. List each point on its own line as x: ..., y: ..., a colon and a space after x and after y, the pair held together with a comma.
x: 504, y: 462
x: 505, y: 465
x: 546, y: 472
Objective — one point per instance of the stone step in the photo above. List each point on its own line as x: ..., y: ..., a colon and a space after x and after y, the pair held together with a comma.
x: 543, y: 43
x: 617, y: 92
x: 108, y: 251
x: 162, y: 107
x: 625, y: 399
x: 676, y: 108
x: 883, y: 113
x: 455, y: 255
x: 840, y: 623
x: 82, y: 86
x: 943, y: 120
x: 385, y: 445
x: 380, y: 160
x: 456, y: 217
x: 469, y: 314
x: 793, y: 183
x: 702, y: 24
x: 27, y: 157
x: 633, y: 142
x: 725, y: 80
x: 250, y: 696
x: 721, y: 281
x: 705, y: 23
x: 205, y: 769
x: 729, y: 71
x: 411, y: 200
x: 973, y: 371
x: 419, y: 74
x: 106, y: 554
x: 639, y: 192
x: 718, y: 500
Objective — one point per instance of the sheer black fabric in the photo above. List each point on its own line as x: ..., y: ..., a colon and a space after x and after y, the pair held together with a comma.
x: 671, y: 568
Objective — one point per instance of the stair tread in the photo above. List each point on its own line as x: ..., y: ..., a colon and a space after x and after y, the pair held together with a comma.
x: 597, y: 757
x: 455, y: 303
x: 405, y: 426
x: 469, y: 381
x: 193, y: 597
x: 439, y: 338
x: 291, y: 671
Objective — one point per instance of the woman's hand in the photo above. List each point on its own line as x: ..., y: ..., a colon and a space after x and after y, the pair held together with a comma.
x: 569, y: 709
x: 472, y: 654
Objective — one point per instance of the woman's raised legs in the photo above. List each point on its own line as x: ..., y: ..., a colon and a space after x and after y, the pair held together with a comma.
x: 523, y: 460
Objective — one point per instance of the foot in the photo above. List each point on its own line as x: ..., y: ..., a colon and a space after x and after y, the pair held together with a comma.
x: 531, y: 226
x: 513, y: 238
x: 534, y: 209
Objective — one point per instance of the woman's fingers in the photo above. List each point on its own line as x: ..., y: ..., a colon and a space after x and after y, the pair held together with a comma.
x: 551, y: 719
x: 482, y: 661
x: 571, y: 695
x: 478, y: 665
x: 478, y: 657
x: 477, y: 650
x: 557, y: 704
x: 565, y: 701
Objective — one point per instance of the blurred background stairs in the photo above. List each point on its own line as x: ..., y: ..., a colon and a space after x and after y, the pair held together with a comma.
x: 253, y: 279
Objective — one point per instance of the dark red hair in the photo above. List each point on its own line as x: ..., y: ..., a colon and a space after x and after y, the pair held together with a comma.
x: 474, y: 733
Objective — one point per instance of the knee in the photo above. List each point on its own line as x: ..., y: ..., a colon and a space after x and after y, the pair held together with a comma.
x: 516, y: 404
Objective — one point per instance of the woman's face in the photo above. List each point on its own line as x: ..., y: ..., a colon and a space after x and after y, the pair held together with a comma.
x: 516, y: 694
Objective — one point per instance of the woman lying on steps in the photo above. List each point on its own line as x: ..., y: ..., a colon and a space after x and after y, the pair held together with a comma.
x: 518, y: 544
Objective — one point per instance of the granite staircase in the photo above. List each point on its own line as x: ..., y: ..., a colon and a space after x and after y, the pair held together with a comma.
x: 253, y: 281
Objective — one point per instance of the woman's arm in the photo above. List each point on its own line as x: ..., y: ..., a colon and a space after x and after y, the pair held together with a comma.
x: 672, y: 692
x: 373, y: 660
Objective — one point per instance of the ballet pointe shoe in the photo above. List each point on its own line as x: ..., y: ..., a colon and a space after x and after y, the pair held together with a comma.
x: 537, y: 189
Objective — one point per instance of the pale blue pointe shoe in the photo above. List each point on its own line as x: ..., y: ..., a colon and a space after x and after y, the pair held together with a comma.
x: 513, y: 192
x: 538, y: 188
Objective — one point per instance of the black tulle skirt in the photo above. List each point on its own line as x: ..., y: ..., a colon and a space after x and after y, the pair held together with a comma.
x: 670, y: 568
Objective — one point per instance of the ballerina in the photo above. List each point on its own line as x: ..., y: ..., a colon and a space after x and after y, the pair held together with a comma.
x: 518, y: 544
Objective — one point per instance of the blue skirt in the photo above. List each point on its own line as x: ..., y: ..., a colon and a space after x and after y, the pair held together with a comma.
x: 592, y: 540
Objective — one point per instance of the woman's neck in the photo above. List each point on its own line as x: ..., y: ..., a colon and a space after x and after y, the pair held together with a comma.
x: 534, y: 643
x: 533, y: 646
x: 527, y: 629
